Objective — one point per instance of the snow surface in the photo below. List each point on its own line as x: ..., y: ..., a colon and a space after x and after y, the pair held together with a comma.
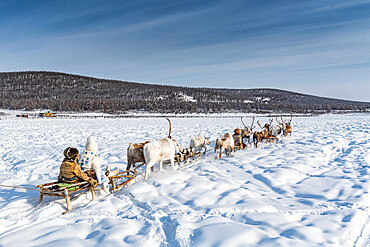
x: 310, y: 189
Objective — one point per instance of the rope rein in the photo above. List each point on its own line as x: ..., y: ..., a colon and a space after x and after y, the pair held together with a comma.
x: 18, y: 187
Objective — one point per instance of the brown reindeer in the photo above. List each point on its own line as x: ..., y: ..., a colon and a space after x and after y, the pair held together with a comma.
x: 265, y: 134
x: 135, y: 154
x: 288, y: 126
x: 224, y: 143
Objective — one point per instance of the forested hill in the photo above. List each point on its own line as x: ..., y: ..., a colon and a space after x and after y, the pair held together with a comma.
x: 66, y: 92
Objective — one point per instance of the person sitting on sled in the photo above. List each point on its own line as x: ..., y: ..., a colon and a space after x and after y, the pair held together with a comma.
x: 90, y: 162
x: 238, y: 140
x: 70, y: 171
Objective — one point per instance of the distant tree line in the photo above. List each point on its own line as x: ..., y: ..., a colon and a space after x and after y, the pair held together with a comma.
x: 66, y: 92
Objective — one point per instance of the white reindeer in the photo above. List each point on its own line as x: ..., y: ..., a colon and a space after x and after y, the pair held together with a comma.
x: 159, y: 151
x: 199, y: 142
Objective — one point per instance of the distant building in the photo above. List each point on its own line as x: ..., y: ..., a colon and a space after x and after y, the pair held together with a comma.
x: 48, y: 114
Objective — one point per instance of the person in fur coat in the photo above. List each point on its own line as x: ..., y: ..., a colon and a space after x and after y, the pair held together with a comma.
x: 70, y: 171
x: 89, y: 160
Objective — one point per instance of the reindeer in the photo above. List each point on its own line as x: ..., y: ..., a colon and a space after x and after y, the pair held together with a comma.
x: 264, y: 134
x: 277, y: 129
x: 288, y: 126
x: 159, y: 151
x: 224, y: 143
x: 135, y: 154
x: 199, y: 142
x: 247, y: 132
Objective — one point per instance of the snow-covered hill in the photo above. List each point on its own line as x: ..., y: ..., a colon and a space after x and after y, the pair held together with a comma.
x: 310, y: 189
x: 65, y: 92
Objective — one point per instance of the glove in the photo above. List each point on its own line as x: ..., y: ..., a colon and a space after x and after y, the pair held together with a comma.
x: 93, y: 182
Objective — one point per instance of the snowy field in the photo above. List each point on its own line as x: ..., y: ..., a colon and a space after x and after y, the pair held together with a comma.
x: 310, y: 189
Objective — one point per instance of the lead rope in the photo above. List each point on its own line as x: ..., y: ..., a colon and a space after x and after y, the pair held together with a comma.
x: 18, y: 187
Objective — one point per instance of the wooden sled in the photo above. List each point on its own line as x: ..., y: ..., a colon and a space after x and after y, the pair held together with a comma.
x: 122, y: 178
x: 65, y: 190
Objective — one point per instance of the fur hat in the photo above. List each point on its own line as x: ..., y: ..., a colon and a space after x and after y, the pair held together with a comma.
x: 91, y: 145
x: 70, y: 153
x: 237, y: 131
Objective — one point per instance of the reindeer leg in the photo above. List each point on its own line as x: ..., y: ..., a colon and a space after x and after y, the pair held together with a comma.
x: 148, y: 166
x: 128, y: 167
x: 160, y: 166
x: 179, y: 157
x: 172, y: 161
x: 221, y: 151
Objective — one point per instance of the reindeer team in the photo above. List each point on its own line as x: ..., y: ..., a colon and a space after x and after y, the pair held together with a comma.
x: 166, y: 149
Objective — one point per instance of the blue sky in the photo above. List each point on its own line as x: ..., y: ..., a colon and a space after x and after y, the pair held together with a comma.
x: 317, y: 47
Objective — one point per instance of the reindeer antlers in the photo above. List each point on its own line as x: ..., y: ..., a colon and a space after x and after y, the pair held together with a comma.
x: 281, y: 123
x: 288, y: 121
x: 252, y: 122
x: 258, y: 122
x: 246, y: 125
x: 169, y: 133
x: 243, y: 122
